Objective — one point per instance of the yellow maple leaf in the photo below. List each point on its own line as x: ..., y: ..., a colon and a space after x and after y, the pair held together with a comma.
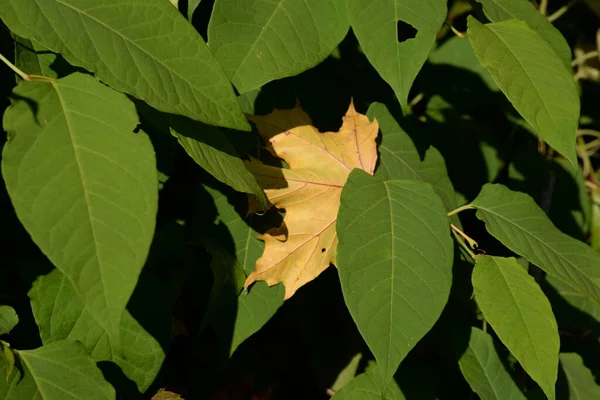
x: 309, y: 190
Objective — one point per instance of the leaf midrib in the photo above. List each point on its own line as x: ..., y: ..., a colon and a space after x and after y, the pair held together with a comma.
x: 86, y: 196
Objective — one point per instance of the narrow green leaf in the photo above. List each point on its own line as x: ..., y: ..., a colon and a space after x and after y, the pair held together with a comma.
x: 8, y: 319
x: 143, y: 48
x: 258, y: 41
x: 213, y: 151
x: 61, y: 314
x: 521, y: 315
x: 375, y: 24
x: 532, y: 77
x: 515, y: 220
x: 582, y: 384
x: 394, y: 260
x: 399, y: 158
x: 58, y: 371
x: 483, y: 370
x: 503, y: 10
x: 7, y: 356
x: 84, y: 185
x: 236, y: 315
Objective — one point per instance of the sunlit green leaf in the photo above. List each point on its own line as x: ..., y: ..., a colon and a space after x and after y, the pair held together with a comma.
x: 8, y: 319
x: 58, y: 371
x: 257, y: 41
x: 375, y: 24
x: 515, y: 220
x: 84, y: 185
x: 394, y: 260
x: 582, y: 384
x: 368, y: 386
x: 503, y: 10
x: 515, y: 306
x: 61, y: 314
x: 143, y: 48
x: 532, y: 77
x: 213, y: 151
x: 484, y: 370
x: 399, y: 158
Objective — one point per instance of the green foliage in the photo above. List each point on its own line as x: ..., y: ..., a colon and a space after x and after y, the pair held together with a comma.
x: 530, y: 73
x: 61, y: 370
x: 462, y: 261
x: 483, y: 369
x: 515, y: 306
x: 386, y: 230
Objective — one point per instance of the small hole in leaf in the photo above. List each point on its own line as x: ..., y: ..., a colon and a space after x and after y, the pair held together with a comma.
x: 137, y: 128
x: 405, y: 31
x: 323, y: 250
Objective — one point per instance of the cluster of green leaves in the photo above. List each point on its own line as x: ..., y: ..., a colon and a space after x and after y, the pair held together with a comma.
x: 113, y: 275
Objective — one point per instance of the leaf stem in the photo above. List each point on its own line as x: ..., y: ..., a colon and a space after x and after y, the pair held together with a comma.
x: 23, y: 75
x: 457, y: 33
x: 543, y: 7
x: 463, y: 244
x: 584, y: 58
x: 12, y: 66
x: 484, y: 326
x: 459, y: 209
x: 562, y: 10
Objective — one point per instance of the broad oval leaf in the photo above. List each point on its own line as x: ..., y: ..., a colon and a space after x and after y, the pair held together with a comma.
x: 521, y: 315
x: 143, y: 48
x: 375, y: 24
x: 58, y: 371
x: 257, y: 41
x: 84, y: 185
x: 503, y: 10
x: 394, y: 260
x: 399, y: 158
x: 484, y: 371
x: 8, y: 319
x: 61, y: 314
x: 213, y: 151
x: 532, y: 77
x: 515, y: 220
x: 582, y: 384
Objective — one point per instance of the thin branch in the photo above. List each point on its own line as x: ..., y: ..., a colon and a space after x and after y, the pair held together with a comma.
x: 587, y: 56
x: 562, y: 10
x: 543, y: 7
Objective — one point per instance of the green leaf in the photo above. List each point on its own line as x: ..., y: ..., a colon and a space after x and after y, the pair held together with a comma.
x: 254, y: 309
x: 192, y: 5
x: 394, y: 260
x: 236, y: 315
x: 84, y: 186
x: 375, y: 24
x: 34, y: 59
x: 521, y: 315
x: 8, y: 319
x: 514, y: 219
x: 595, y: 218
x: 61, y: 314
x: 503, y: 10
x: 532, y: 77
x: 257, y: 41
x: 58, y: 371
x: 213, y: 151
x: 399, y: 158
x: 143, y: 48
x: 483, y: 370
x: 368, y: 386
x: 582, y: 384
